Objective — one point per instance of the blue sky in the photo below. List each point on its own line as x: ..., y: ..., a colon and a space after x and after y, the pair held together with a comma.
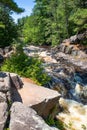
x: 27, y: 5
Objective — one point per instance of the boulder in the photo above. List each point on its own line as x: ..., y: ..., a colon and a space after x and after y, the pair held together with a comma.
x: 16, y: 81
x: 25, y: 118
x: 43, y: 100
x: 4, y: 82
x: 3, y: 115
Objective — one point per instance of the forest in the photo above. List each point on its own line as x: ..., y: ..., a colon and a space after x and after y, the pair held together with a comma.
x: 53, y: 21
x: 50, y: 22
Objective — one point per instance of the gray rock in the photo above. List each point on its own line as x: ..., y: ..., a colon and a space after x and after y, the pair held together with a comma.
x: 16, y: 81
x: 3, y: 115
x: 1, y: 51
x: 8, y: 96
x: 74, y: 52
x: 62, y: 48
x: 2, y: 97
x: 25, y: 118
x: 68, y: 49
x: 1, y: 79
x: 2, y: 86
x: 5, y: 82
x: 7, y: 49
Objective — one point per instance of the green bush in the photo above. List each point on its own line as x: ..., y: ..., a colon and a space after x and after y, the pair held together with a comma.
x: 26, y: 67
x: 56, y: 123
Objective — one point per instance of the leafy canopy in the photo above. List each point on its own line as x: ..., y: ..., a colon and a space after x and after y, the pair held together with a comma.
x: 54, y: 20
x: 11, y: 5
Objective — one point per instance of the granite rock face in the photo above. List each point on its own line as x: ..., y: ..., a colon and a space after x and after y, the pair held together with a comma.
x: 25, y: 118
x: 3, y: 114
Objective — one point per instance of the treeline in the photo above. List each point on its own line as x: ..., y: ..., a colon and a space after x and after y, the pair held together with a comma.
x: 8, y: 29
x: 53, y: 20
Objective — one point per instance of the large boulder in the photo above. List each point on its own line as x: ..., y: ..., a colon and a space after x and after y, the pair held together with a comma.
x: 43, y: 100
x: 3, y: 115
x: 25, y: 118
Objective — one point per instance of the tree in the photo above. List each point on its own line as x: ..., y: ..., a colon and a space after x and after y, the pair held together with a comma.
x: 11, y: 5
x: 79, y: 17
x: 8, y: 29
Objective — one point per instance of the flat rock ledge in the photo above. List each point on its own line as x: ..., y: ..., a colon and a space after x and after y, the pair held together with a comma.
x: 42, y: 100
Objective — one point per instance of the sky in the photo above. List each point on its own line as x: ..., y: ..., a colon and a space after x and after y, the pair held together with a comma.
x: 27, y: 5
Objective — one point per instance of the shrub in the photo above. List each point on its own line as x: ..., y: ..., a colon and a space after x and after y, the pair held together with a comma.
x: 56, y: 123
x: 26, y: 67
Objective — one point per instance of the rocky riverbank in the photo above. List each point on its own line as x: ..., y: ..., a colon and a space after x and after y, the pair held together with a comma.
x: 19, y: 99
x: 67, y: 67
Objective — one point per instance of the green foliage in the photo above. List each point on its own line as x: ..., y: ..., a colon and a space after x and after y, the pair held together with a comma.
x: 8, y: 29
x: 79, y: 18
x: 54, y: 20
x: 56, y: 123
x: 11, y: 5
x: 7, y: 129
x: 26, y: 67
x: 50, y: 121
x: 84, y: 127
